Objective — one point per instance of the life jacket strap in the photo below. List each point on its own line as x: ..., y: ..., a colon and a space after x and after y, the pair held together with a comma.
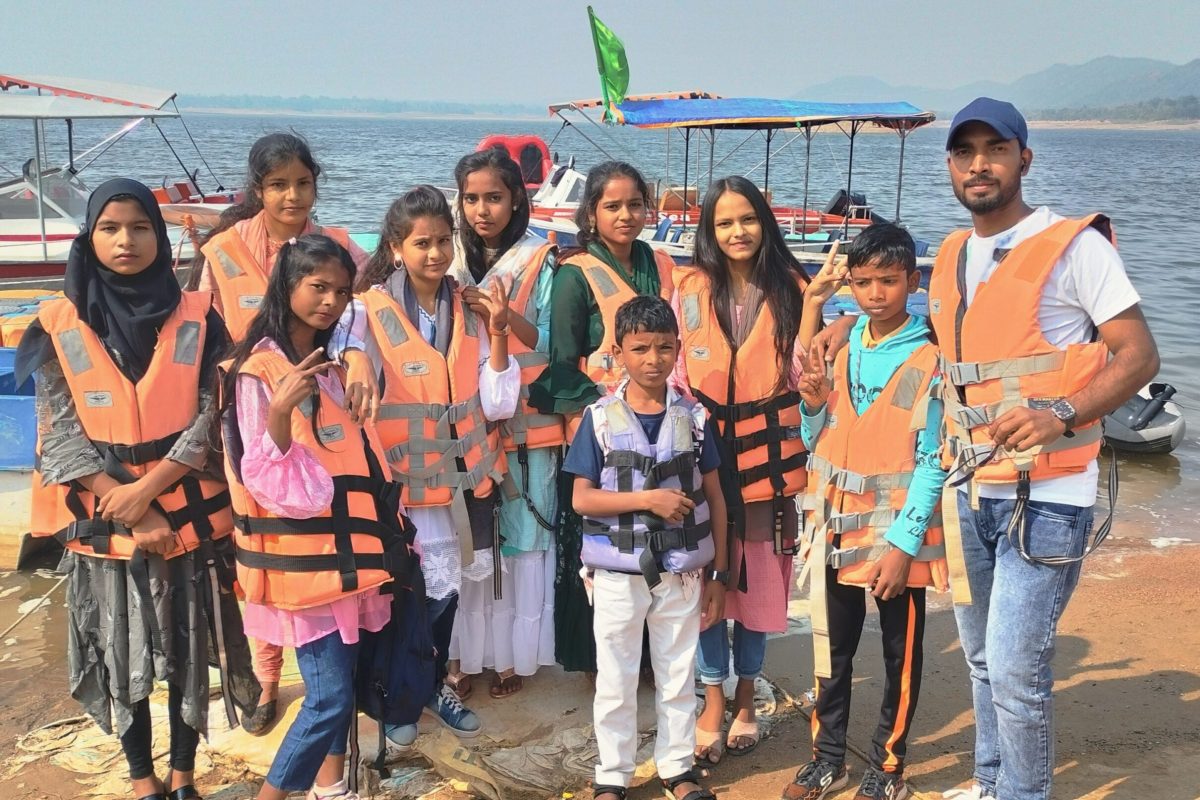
x: 848, y: 557
x: 142, y: 453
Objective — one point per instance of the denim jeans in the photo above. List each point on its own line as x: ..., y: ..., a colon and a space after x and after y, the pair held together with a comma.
x: 1008, y: 638
x: 712, y: 656
x: 321, y: 727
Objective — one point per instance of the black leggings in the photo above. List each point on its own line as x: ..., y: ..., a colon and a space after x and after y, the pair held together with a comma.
x: 137, y: 741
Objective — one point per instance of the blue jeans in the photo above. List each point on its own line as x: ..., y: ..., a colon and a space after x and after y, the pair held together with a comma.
x: 321, y: 727
x: 1008, y: 637
x: 712, y: 656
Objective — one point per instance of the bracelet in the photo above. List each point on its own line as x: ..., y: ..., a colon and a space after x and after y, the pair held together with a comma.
x: 503, y: 332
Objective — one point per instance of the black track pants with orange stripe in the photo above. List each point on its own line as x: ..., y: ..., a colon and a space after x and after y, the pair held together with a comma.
x: 902, y: 620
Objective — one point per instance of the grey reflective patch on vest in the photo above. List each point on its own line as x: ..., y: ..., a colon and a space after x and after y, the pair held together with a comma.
x: 75, y: 351
x: 602, y: 281
x: 331, y: 433
x: 392, y: 326
x: 906, y: 389
x: 618, y: 418
x: 98, y: 399
x: 700, y: 353
x: 682, y: 432
x: 249, y: 301
x: 691, y: 311
x: 187, y: 342
x: 306, y: 407
x: 412, y: 369
x: 227, y: 264
x: 935, y: 305
x: 470, y: 320
x: 831, y: 421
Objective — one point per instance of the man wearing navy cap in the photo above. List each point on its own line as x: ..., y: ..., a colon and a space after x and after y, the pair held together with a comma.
x: 1041, y: 336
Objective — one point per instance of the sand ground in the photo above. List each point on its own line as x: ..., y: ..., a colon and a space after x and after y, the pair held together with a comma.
x: 1127, y: 697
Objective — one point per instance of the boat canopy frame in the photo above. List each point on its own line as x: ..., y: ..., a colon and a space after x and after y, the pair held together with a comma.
x: 70, y: 99
x: 708, y: 113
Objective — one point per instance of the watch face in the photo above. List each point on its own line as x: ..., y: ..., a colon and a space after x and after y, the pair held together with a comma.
x: 1063, y: 410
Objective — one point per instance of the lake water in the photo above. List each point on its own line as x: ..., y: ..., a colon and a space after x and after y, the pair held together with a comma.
x: 1144, y: 180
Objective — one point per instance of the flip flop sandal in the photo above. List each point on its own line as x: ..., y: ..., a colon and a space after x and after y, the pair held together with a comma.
x: 619, y: 791
x: 713, y: 742
x: 501, y: 688
x: 741, y: 730
x: 460, y: 684
x: 695, y: 794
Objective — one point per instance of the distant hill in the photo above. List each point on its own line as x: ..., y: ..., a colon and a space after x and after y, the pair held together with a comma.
x: 352, y: 105
x: 1102, y: 83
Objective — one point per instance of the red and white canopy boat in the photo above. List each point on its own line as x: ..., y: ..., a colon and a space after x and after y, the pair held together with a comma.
x: 35, y: 237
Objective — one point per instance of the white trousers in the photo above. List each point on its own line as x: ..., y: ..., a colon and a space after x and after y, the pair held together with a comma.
x: 671, y: 611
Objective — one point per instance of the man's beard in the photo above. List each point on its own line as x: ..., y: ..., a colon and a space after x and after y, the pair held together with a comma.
x: 986, y: 205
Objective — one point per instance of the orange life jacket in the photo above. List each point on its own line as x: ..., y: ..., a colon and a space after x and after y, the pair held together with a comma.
x: 861, y: 468
x: 431, y: 423
x: 528, y: 428
x: 241, y: 280
x: 763, y: 455
x: 996, y: 357
x: 611, y: 292
x: 133, y: 427
x: 359, y: 542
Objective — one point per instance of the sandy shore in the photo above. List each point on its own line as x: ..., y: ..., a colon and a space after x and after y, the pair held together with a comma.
x: 1128, y: 696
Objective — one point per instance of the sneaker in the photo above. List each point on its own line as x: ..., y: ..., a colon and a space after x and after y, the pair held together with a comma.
x: 879, y: 785
x: 400, y: 737
x: 976, y: 792
x: 336, y: 792
x: 815, y: 780
x: 449, y: 710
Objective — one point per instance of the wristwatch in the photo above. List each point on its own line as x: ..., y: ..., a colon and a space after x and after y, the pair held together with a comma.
x: 721, y: 576
x: 1065, y: 412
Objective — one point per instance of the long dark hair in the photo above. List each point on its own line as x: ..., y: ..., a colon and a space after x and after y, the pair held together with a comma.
x: 297, y: 260
x: 496, y: 159
x: 417, y: 203
x: 593, y: 189
x: 775, y: 272
x: 268, y: 154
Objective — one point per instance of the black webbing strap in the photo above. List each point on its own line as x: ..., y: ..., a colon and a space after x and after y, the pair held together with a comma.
x: 329, y: 562
x: 771, y: 470
x: 766, y: 437
x: 740, y: 412
x: 283, y: 526
x: 139, y: 571
x: 343, y: 542
x: 523, y: 461
x: 143, y: 453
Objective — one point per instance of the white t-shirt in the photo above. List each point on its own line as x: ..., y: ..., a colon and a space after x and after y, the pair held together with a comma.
x: 1087, y: 287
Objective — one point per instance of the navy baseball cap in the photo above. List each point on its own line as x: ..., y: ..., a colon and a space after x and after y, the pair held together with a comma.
x: 1001, y: 116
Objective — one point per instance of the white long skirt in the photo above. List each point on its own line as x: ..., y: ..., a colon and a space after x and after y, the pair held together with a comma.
x: 515, y: 632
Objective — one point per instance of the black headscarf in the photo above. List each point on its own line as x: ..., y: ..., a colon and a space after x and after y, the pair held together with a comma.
x: 125, y: 311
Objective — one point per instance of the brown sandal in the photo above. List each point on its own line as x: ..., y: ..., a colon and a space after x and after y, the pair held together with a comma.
x: 505, y: 687
x: 460, y: 684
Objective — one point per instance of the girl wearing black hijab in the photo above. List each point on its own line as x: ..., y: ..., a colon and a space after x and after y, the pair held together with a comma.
x: 125, y: 364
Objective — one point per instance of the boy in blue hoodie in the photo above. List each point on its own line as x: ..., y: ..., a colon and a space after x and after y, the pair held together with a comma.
x: 875, y: 479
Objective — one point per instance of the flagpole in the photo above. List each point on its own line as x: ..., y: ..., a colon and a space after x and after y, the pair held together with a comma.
x: 599, y: 62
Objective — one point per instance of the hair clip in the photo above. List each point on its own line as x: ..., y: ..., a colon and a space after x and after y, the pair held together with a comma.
x: 292, y: 240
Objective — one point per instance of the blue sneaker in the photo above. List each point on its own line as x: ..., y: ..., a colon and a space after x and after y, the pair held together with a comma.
x: 449, y: 710
x: 400, y: 737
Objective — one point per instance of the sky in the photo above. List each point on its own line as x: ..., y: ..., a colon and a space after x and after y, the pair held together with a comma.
x: 539, y: 51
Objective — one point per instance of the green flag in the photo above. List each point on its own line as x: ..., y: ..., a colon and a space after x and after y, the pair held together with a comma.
x: 610, y: 61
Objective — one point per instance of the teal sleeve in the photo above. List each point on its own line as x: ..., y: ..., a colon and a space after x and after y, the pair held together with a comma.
x: 541, y: 300
x: 811, y: 424
x: 908, y: 531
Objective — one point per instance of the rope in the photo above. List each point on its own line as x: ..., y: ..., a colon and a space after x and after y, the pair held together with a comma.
x: 36, y: 606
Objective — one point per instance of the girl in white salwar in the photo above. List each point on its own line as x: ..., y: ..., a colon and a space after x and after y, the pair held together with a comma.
x: 512, y: 634
x: 406, y: 282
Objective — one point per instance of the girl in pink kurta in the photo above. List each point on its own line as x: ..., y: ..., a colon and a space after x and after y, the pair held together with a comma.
x: 744, y: 264
x: 293, y: 478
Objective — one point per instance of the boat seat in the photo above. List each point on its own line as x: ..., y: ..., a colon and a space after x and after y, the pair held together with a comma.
x: 660, y: 233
